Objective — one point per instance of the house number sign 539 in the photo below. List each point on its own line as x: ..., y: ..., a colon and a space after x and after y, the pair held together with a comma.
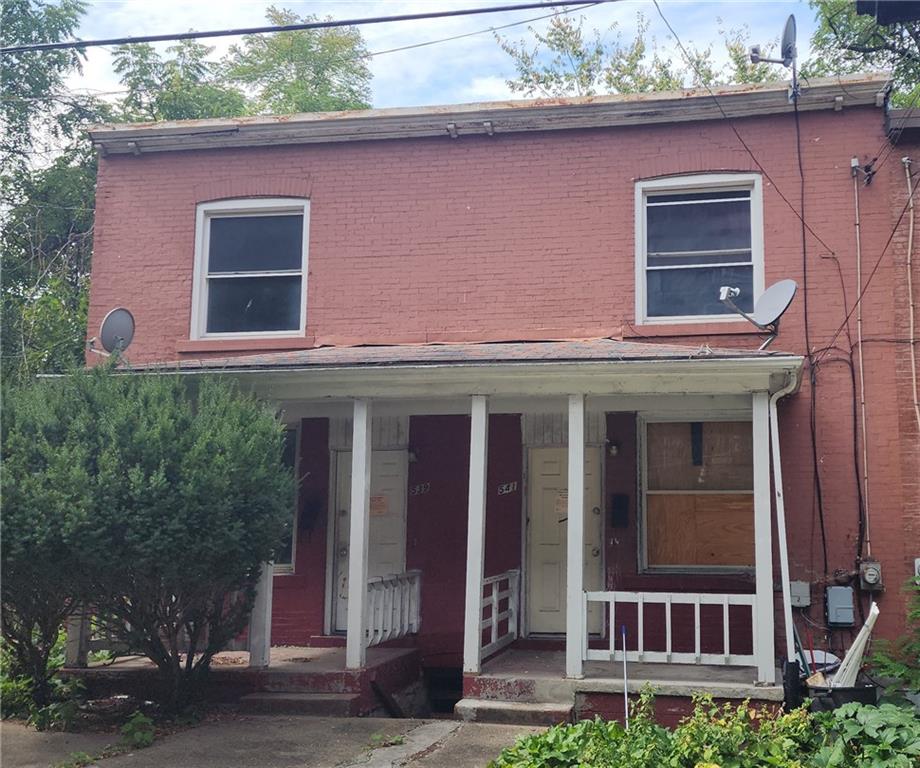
x: 420, y: 489
x: 505, y: 488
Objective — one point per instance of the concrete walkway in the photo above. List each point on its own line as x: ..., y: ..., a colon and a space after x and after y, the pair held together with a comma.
x: 281, y: 742
x: 24, y: 747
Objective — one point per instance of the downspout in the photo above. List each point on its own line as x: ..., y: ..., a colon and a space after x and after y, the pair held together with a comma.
x: 781, y: 516
x: 862, y: 378
x: 912, y: 335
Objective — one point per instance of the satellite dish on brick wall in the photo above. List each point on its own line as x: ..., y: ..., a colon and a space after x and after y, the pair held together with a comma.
x: 117, y: 330
x: 773, y: 303
x: 768, y: 309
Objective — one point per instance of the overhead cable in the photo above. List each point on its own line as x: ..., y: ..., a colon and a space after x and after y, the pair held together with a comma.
x: 326, y: 24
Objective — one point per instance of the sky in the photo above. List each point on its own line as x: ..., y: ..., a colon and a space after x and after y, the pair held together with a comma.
x: 466, y: 70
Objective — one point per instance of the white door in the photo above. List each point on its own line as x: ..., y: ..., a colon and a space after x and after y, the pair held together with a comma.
x: 387, y: 530
x: 547, y: 516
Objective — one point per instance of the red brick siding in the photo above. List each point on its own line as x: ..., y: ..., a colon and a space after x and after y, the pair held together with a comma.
x: 532, y: 236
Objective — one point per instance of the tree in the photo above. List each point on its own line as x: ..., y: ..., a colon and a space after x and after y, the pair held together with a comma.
x: 313, y: 70
x: 47, y: 237
x: 37, y: 108
x: 45, y: 483
x: 568, y: 61
x: 154, y: 501
x: 847, y: 42
x: 184, y: 86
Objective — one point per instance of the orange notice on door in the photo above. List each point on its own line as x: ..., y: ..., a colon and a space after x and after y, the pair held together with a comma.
x: 378, y: 505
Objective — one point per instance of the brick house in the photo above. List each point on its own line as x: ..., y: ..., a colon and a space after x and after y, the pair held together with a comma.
x: 521, y: 417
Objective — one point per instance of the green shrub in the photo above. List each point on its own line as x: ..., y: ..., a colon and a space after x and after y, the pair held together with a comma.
x: 152, y: 498
x: 728, y: 736
x: 859, y: 736
x: 900, y: 660
x: 138, y: 732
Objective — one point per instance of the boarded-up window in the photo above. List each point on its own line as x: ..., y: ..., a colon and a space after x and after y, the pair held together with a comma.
x: 699, y: 500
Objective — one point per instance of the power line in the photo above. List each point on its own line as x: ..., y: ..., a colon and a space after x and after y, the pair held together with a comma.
x: 94, y: 92
x: 731, y: 124
x: 328, y: 24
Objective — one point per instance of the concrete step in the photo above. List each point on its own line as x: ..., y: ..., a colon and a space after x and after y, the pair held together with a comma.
x: 514, y: 712
x: 325, y: 704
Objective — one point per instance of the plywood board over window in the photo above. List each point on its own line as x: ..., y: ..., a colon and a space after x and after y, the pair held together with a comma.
x: 698, y: 494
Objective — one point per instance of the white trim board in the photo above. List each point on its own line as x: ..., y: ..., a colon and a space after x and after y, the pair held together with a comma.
x: 703, y: 182
x: 256, y: 206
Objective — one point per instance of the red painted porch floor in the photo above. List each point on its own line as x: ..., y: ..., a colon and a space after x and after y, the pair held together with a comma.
x: 542, y: 673
x: 287, y: 659
x: 307, y: 680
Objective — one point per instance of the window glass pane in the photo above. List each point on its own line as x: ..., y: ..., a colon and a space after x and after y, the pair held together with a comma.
x: 674, y: 292
x: 284, y: 553
x: 255, y: 243
x: 698, y: 226
x: 711, y: 456
x: 249, y: 304
x: 679, y: 197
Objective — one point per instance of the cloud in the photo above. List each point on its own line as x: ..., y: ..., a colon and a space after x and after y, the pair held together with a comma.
x: 473, y: 68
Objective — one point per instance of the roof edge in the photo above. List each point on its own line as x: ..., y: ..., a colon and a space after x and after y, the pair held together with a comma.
x: 491, y: 118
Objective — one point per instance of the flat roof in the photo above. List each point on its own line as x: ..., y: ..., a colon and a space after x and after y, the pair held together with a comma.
x: 492, y: 118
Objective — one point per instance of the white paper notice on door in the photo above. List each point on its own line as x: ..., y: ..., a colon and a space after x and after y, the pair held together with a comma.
x: 562, y: 503
x: 378, y: 505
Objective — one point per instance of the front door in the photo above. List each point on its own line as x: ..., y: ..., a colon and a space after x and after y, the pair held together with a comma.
x: 387, y: 530
x: 547, y: 530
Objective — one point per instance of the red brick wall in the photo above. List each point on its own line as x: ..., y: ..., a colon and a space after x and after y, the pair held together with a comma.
x: 298, y: 598
x: 531, y: 236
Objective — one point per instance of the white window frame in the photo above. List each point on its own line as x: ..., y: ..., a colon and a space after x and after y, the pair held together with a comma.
x: 642, y: 422
x: 286, y: 569
x: 706, y: 182
x: 245, y: 207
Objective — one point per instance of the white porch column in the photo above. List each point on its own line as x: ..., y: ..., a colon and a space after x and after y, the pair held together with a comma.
x: 763, y: 547
x: 260, y: 620
x: 355, y: 642
x: 475, y: 534
x: 575, y: 548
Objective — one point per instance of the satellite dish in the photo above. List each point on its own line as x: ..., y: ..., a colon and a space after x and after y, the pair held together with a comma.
x: 768, y: 309
x: 773, y: 302
x: 789, y: 54
x: 117, y: 330
x: 787, y: 48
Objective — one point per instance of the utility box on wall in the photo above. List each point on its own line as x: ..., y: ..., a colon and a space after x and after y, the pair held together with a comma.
x: 840, y: 611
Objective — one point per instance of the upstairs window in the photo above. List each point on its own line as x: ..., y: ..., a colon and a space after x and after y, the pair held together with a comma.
x: 251, y: 268
x: 695, y: 234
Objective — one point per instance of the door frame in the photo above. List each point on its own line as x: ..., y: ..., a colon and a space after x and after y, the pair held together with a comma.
x: 524, y: 627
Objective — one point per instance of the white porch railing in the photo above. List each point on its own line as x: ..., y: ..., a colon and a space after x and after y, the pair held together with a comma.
x: 393, y: 606
x: 669, y: 599
x: 503, y: 587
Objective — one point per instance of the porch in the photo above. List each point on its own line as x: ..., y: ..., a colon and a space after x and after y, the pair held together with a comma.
x: 530, y: 686
x: 303, y: 680
x: 416, y: 517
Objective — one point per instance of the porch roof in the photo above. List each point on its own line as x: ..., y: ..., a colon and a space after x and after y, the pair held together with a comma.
x: 489, y: 353
x: 592, y: 366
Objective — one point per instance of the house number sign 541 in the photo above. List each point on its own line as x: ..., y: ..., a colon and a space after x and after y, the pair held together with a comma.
x: 505, y: 488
